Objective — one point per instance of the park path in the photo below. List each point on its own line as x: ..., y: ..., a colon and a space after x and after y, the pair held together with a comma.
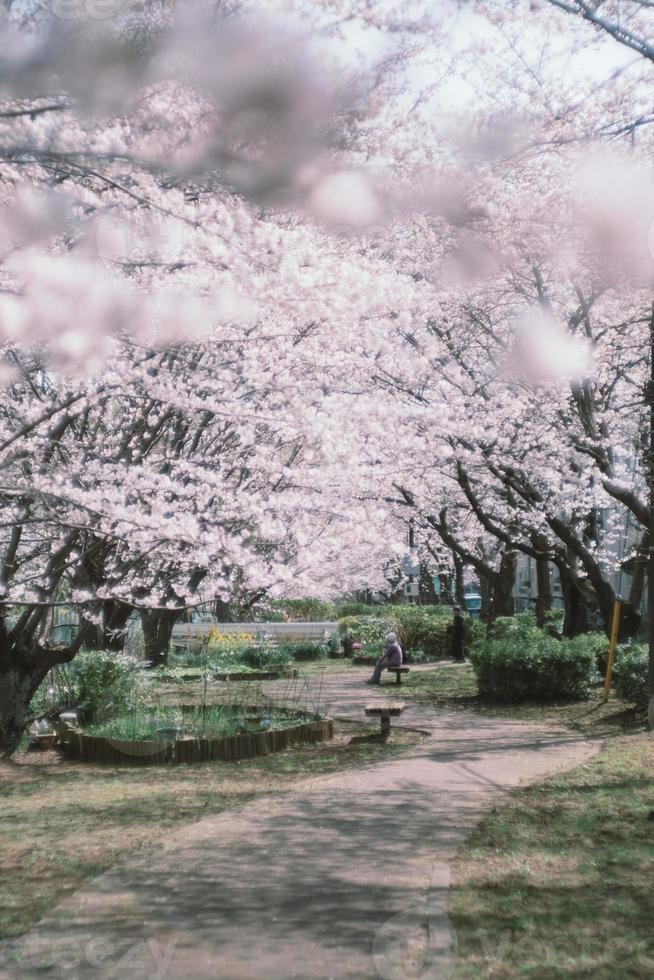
x: 345, y: 877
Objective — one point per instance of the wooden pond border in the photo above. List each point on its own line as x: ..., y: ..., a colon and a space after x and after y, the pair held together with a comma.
x: 99, y: 749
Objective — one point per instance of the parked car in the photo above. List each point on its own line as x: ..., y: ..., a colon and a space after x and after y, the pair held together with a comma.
x: 473, y: 604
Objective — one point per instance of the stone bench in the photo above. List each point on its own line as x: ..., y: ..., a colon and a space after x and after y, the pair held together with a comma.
x: 385, y: 710
x: 398, y: 671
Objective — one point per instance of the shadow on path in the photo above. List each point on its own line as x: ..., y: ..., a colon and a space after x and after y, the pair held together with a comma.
x: 346, y: 877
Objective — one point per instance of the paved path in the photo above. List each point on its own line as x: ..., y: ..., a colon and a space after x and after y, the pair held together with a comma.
x: 344, y: 878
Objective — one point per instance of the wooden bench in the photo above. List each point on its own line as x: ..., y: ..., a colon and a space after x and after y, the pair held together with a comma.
x: 398, y: 671
x: 385, y: 710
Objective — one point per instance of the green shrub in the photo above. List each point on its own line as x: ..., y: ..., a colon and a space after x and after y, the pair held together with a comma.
x: 597, y: 644
x: 554, y: 621
x: 630, y: 674
x: 368, y: 630
x: 426, y: 628
x: 106, y: 684
x: 511, y: 626
x: 304, y: 650
x: 529, y: 665
x: 260, y: 657
x: 417, y: 657
x: 417, y: 627
x: 351, y: 608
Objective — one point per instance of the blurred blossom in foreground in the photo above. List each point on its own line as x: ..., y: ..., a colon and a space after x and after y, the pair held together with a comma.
x: 545, y: 352
x: 345, y: 198
x: 618, y: 211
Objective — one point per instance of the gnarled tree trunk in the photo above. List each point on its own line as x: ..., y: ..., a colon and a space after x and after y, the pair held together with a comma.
x: 157, y: 631
x: 22, y: 669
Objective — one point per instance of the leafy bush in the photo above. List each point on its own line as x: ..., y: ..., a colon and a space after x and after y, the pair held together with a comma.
x: 106, y: 684
x: 424, y: 628
x: 528, y: 664
x: 304, y: 650
x: 554, y: 621
x: 365, y: 629
x: 262, y: 657
x: 417, y: 657
x: 417, y: 627
x: 505, y: 627
x: 597, y: 644
x: 369, y: 630
x: 630, y: 674
x: 352, y: 608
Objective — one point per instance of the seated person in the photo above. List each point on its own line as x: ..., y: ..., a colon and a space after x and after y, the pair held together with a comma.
x: 391, y: 657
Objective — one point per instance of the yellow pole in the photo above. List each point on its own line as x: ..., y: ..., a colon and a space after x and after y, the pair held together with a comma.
x: 613, y: 642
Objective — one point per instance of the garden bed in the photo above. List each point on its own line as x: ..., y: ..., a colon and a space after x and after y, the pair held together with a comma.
x: 217, y: 674
x: 177, y: 746
x: 283, y: 670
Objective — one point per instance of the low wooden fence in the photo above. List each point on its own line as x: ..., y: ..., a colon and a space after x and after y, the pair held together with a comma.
x: 125, y: 752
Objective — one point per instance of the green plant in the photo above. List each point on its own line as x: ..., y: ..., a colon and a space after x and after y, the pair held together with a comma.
x: 106, y: 683
x: 334, y: 648
x: 365, y: 629
x: 505, y: 627
x: 218, y: 643
x: 424, y: 628
x: 303, y: 650
x: 417, y: 657
x: 527, y: 664
x: 265, y: 656
x: 218, y: 721
x: 630, y: 674
x: 598, y: 646
x: 352, y: 608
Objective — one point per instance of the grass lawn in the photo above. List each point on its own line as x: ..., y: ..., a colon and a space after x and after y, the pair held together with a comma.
x: 62, y: 823
x: 559, y: 881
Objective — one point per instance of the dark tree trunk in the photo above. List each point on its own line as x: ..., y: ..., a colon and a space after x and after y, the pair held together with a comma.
x: 90, y: 635
x: 427, y: 591
x: 576, y: 618
x: 157, y: 630
x: 502, y: 601
x: 114, y: 629
x: 223, y: 611
x: 459, y: 585
x: 110, y: 634
x: 22, y: 669
x: 544, y: 587
x: 605, y: 599
x: 485, y: 594
x: 543, y: 579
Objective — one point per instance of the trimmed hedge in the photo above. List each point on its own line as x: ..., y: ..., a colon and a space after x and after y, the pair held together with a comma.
x: 527, y: 664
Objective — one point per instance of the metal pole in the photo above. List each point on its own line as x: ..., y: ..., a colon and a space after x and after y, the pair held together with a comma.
x: 615, y: 624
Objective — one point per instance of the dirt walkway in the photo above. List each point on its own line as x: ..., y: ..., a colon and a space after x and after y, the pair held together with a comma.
x: 346, y: 877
